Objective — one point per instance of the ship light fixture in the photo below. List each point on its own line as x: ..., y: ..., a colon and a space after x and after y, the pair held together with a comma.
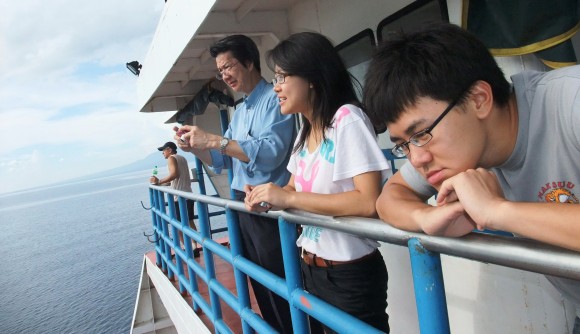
x: 134, y: 67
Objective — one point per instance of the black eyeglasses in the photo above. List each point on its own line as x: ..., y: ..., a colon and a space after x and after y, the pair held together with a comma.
x: 226, y: 68
x: 279, y: 78
x: 423, y: 137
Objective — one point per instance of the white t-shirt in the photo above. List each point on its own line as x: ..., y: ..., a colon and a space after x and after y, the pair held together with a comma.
x: 350, y: 149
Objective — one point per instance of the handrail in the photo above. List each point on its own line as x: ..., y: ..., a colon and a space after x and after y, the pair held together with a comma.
x: 517, y: 253
x: 289, y: 288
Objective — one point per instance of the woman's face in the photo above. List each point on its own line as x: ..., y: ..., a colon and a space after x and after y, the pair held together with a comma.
x: 294, y: 93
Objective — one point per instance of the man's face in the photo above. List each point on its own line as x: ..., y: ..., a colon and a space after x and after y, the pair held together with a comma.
x: 166, y: 152
x: 233, y: 72
x: 458, y: 141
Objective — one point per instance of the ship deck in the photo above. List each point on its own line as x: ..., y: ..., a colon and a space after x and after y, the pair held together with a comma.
x: 225, y: 275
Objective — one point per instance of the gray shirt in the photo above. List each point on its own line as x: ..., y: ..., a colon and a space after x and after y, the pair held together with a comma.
x: 183, y: 181
x: 545, y: 163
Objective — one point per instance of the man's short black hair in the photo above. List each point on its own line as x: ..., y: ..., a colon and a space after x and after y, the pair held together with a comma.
x: 242, y: 48
x: 440, y: 61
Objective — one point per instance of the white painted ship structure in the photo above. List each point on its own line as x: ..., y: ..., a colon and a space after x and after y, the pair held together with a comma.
x: 480, y: 283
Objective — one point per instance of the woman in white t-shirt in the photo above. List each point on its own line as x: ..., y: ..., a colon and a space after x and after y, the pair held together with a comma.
x: 337, y: 169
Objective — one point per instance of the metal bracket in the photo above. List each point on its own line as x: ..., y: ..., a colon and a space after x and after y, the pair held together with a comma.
x: 143, y: 205
x: 148, y: 237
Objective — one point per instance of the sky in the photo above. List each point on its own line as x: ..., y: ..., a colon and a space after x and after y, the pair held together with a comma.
x: 68, y: 104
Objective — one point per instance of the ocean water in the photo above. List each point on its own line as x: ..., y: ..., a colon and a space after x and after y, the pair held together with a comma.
x: 71, y: 255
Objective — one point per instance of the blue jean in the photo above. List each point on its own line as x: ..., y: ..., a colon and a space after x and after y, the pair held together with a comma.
x: 576, y: 329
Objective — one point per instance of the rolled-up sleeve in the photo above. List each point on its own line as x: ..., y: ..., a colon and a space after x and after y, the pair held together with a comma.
x: 268, y: 144
x: 220, y: 161
x: 264, y: 135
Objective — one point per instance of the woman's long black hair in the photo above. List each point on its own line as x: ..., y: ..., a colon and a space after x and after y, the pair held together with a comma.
x: 312, y: 57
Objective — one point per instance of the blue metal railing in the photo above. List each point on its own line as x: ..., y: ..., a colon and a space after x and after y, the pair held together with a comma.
x: 424, y: 252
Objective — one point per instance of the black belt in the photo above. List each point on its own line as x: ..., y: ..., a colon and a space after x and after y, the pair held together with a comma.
x: 314, y: 260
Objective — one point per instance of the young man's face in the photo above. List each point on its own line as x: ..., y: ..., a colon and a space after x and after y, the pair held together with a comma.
x: 233, y: 72
x: 458, y: 141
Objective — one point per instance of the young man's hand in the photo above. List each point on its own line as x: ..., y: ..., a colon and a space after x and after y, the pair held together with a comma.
x: 448, y: 220
x: 478, y: 192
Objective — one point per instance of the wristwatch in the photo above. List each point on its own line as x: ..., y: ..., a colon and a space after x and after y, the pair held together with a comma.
x: 223, y: 143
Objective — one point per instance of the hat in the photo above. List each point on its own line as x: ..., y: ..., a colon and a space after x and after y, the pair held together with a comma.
x: 169, y: 144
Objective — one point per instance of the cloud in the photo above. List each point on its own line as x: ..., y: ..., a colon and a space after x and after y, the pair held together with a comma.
x: 53, y: 36
x: 69, y: 104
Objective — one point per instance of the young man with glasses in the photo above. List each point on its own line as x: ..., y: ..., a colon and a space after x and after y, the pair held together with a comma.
x: 499, y: 157
x: 257, y: 146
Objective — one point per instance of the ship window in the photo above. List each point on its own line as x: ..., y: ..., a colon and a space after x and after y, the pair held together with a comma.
x: 356, y: 53
x: 412, y: 17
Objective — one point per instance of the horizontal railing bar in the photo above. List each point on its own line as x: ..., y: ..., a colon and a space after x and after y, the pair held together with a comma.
x: 203, y: 305
x: 256, y: 322
x: 318, y: 309
x: 275, y: 283
x: 225, y: 294
x: 222, y: 327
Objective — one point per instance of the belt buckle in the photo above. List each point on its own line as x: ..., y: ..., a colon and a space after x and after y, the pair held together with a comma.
x: 314, y: 261
x: 309, y: 258
x: 303, y: 256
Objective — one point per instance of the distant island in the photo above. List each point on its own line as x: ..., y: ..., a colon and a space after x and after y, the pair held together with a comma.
x: 153, y: 159
x: 147, y: 163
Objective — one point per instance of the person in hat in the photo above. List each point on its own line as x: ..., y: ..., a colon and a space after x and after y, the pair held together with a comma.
x: 178, y: 179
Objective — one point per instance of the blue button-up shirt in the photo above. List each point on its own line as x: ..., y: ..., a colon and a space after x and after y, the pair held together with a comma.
x: 266, y: 137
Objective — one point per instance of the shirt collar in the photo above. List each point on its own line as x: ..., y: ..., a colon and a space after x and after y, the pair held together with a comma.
x: 258, y: 91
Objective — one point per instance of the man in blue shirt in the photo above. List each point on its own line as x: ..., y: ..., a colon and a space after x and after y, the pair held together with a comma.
x: 257, y: 146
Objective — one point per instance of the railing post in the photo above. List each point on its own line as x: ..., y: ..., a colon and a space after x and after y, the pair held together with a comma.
x: 187, y: 244
x: 155, y: 221
x: 167, y: 246
x: 204, y: 229
x: 162, y: 230
x: 202, y: 190
x: 292, y: 272
x: 200, y: 179
x: 192, y: 276
x: 240, y: 278
x: 429, y: 289
x: 175, y: 243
